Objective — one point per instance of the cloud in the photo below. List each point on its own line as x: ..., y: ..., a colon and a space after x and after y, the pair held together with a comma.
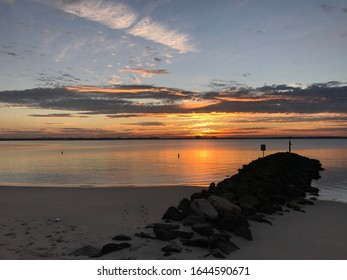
x: 117, y: 15
x: 10, y: 53
x: 123, y: 116
x: 8, y: 1
x: 145, y: 73
x: 60, y: 132
x: 56, y: 115
x: 344, y: 10
x: 147, y: 124
x: 327, y: 7
x: 111, y: 14
x: 132, y: 100
x: 156, y: 32
x: 197, y: 104
x: 136, y: 80
x: 55, y: 79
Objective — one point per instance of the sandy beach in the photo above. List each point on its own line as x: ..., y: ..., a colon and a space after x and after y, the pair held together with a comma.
x: 51, y: 223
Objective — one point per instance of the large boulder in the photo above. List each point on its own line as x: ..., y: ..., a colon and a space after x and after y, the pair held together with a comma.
x: 111, y: 247
x: 243, y: 231
x: 222, y: 242
x: 173, y: 214
x: 165, y: 235
x: 87, y: 250
x: 184, y: 207
x: 249, y: 201
x: 224, y: 206
x: 230, y: 222
x: 203, y: 229
x: 193, y: 219
x: 203, y: 207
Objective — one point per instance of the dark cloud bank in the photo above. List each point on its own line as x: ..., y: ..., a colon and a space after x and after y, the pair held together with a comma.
x: 128, y: 101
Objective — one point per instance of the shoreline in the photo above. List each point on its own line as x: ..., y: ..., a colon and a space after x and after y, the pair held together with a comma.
x: 103, y: 186
x: 322, y: 197
x: 50, y: 223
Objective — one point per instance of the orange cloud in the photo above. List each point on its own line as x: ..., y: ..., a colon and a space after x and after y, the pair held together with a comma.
x: 257, y: 99
x: 135, y: 89
x: 104, y: 89
x: 145, y: 73
x: 196, y: 104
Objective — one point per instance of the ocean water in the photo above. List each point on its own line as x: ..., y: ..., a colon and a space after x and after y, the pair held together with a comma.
x: 194, y: 162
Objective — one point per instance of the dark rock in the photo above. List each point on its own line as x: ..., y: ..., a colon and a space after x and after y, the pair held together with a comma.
x: 293, y: 206
x: 167, y: 254
x: 172, y: 213
x: 249, y: 201
x: 315, y: 194
x: 203, y: 229
x: 222, y: 241
x: 183, y: 234
x: 144, y: 235
x: 205, y: 193
x: 285, y: 175
x: 229, y: 223
x: 184, y: 206
x: 243, y: 231
x: 89, y: 251
x: 196, y: 196
x: 212, y: 187
x: 172, y: 248
x: 121, y: 237
x: 232, y: 197
x: 313, y: 198
x: 267, y: 208
x: 165, y: 226
x: 220, y: 237
x: 259, y: 219
x: 227, y: 247
x: 193, y: 219
x: 247, y: 211
x: 228, y: 185
x: 165, y: 235
x: 304, y: 201
x: 111, y: 247
x: 218, y: 255
x: 279, y: 199
x: 204, y: 243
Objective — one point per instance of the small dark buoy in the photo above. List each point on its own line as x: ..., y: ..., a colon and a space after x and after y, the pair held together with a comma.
x: 62, y: 152
x: 178, y: 155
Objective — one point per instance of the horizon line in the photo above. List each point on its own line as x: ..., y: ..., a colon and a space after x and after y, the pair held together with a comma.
x: 167, y: 138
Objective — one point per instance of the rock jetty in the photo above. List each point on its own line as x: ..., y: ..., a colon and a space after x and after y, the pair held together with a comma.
x: 209, y: 218
x: 268, y: 185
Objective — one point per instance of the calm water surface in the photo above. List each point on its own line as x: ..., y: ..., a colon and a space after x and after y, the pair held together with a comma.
x: 156, y: 162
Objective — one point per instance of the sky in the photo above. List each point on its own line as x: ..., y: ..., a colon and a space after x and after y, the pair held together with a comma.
x: 173, y: 68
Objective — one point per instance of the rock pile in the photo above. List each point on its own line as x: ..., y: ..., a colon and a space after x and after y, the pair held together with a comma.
x: 212, y: 216
x: 264, y: 186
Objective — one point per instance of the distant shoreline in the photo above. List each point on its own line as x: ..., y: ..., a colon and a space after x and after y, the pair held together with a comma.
x: 170, y: 138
